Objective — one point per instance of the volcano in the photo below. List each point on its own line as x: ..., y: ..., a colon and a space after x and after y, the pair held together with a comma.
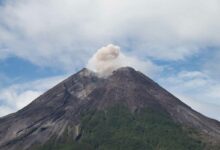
x: 126, y: 110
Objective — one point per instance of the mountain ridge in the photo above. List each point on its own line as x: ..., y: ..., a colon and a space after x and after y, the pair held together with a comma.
x: 62, y: 106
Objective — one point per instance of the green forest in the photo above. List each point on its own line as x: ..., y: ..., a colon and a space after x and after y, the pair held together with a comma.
x: 118, y: 129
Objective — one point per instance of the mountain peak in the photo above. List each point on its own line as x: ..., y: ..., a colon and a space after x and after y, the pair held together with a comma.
x: 86, y: 71
x: 61, y: 108
x: 125, y: 72
x: 124, y: 69
x: 120, y: 71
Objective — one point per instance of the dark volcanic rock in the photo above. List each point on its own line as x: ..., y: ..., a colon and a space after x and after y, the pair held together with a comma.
x: 59, y: 109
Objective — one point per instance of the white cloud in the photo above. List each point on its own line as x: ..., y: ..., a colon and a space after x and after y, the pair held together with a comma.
x: 212, y: 66
x: 109, y: 58
x: 197, y: 90
x: 3, y: 54
x: 17, y: 96
x: 207, y: 109
x: 5, y: 110
x: 67, y: 32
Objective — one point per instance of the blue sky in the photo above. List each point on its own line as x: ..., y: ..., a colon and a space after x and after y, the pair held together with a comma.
x: 175, y: 42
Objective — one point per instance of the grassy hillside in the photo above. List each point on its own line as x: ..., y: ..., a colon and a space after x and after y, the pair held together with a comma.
x: 119, y: 129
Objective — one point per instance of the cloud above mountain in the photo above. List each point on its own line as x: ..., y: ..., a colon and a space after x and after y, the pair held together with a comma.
x: 109, y: 58
x: 68, y: 32
x: 17, y: 96
x: 171, y: 37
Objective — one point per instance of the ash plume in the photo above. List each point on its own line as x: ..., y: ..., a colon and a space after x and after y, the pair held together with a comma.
x: 110, y: 58
x: 105, y: 60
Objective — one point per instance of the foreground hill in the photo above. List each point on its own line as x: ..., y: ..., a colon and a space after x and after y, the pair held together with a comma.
x: 127, y: 110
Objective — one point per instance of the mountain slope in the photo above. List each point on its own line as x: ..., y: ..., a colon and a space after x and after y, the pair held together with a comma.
x: 117, y: 128
x: 59, y: 115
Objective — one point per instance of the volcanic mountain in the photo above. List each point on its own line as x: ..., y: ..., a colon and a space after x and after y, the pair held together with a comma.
x: 126, y: 110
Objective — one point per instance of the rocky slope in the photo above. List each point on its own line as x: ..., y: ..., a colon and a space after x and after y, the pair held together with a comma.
x: 59, y: 110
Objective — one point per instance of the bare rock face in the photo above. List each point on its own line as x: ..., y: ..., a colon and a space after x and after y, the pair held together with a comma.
x: 58, y: 110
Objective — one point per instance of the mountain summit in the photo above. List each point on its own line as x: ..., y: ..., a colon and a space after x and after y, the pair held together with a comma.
x: 126, y: 110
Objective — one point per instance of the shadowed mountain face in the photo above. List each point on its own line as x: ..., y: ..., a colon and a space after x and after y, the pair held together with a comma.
x: 63, y: 112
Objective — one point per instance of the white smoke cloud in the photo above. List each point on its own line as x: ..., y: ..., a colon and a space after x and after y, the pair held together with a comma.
x: 110, y: 58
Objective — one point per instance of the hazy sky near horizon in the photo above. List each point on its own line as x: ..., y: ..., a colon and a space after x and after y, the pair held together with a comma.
x: 175, y: 42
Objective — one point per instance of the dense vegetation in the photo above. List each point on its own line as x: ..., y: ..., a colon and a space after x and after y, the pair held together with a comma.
x: 119, y: 129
